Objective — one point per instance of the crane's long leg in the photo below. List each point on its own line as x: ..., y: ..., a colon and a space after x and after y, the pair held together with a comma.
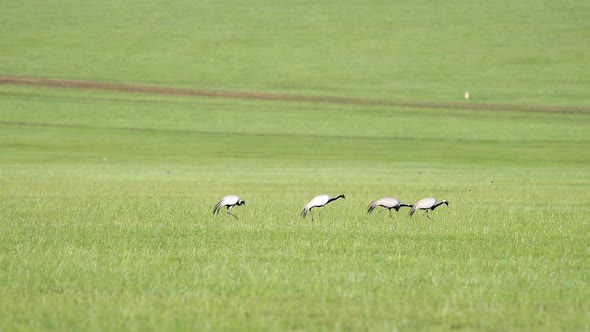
x: 426, y: 214
x: 310, y: 213
x: 381, y: 210
x: 233, y: 215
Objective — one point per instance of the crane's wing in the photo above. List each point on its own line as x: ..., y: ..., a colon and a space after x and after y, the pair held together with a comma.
x: 320, y: 200
x: 424, y: 203
x: 389, y: 202
x: 227, y: 200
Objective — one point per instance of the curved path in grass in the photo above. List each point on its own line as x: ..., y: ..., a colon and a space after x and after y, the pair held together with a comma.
x: 161, y: 90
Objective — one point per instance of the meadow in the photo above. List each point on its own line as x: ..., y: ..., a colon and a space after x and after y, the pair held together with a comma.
x: 106, y: 197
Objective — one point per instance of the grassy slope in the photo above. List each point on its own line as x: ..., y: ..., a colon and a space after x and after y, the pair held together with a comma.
x: 518, y: 52
x: 301, y: 132
x: 106, y: 197
x: 109, y: 203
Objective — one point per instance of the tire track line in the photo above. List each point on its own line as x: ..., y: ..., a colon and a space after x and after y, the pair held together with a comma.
x: 161, y: 90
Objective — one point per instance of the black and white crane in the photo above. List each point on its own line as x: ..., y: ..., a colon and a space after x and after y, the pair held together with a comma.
x: 387, y: 203
x: 319, y: 202
x: 427, y: 204
x: 229, y: 202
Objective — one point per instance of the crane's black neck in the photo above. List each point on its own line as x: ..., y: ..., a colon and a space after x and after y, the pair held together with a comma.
x: 437, y: 204
x: 335, y: 198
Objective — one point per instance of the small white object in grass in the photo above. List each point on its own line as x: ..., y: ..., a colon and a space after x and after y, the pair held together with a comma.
x: 332, y: 141
x: 466, y: 95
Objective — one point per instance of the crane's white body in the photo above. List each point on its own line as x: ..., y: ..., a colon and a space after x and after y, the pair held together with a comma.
x: 387, y: 203
x: 229, y: 202
x: 426, y: 204
x: 318, y: 201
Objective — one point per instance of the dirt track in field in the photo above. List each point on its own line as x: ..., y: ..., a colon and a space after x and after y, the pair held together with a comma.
x: 159, y: 90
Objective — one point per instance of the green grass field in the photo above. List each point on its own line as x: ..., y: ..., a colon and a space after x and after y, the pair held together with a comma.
x: 106, y: 197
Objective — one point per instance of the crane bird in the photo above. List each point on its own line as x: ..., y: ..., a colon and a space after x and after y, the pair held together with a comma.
x: 427, y: 204
x: 318, y: 201
x: 387, y: 203
x: 229, y: 202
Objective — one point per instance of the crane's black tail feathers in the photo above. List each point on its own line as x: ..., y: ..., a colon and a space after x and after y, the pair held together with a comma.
x: 216, y: 208
x: 371, y: 207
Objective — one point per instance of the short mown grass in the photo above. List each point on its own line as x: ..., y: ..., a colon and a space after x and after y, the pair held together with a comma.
x: 106, y: 198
